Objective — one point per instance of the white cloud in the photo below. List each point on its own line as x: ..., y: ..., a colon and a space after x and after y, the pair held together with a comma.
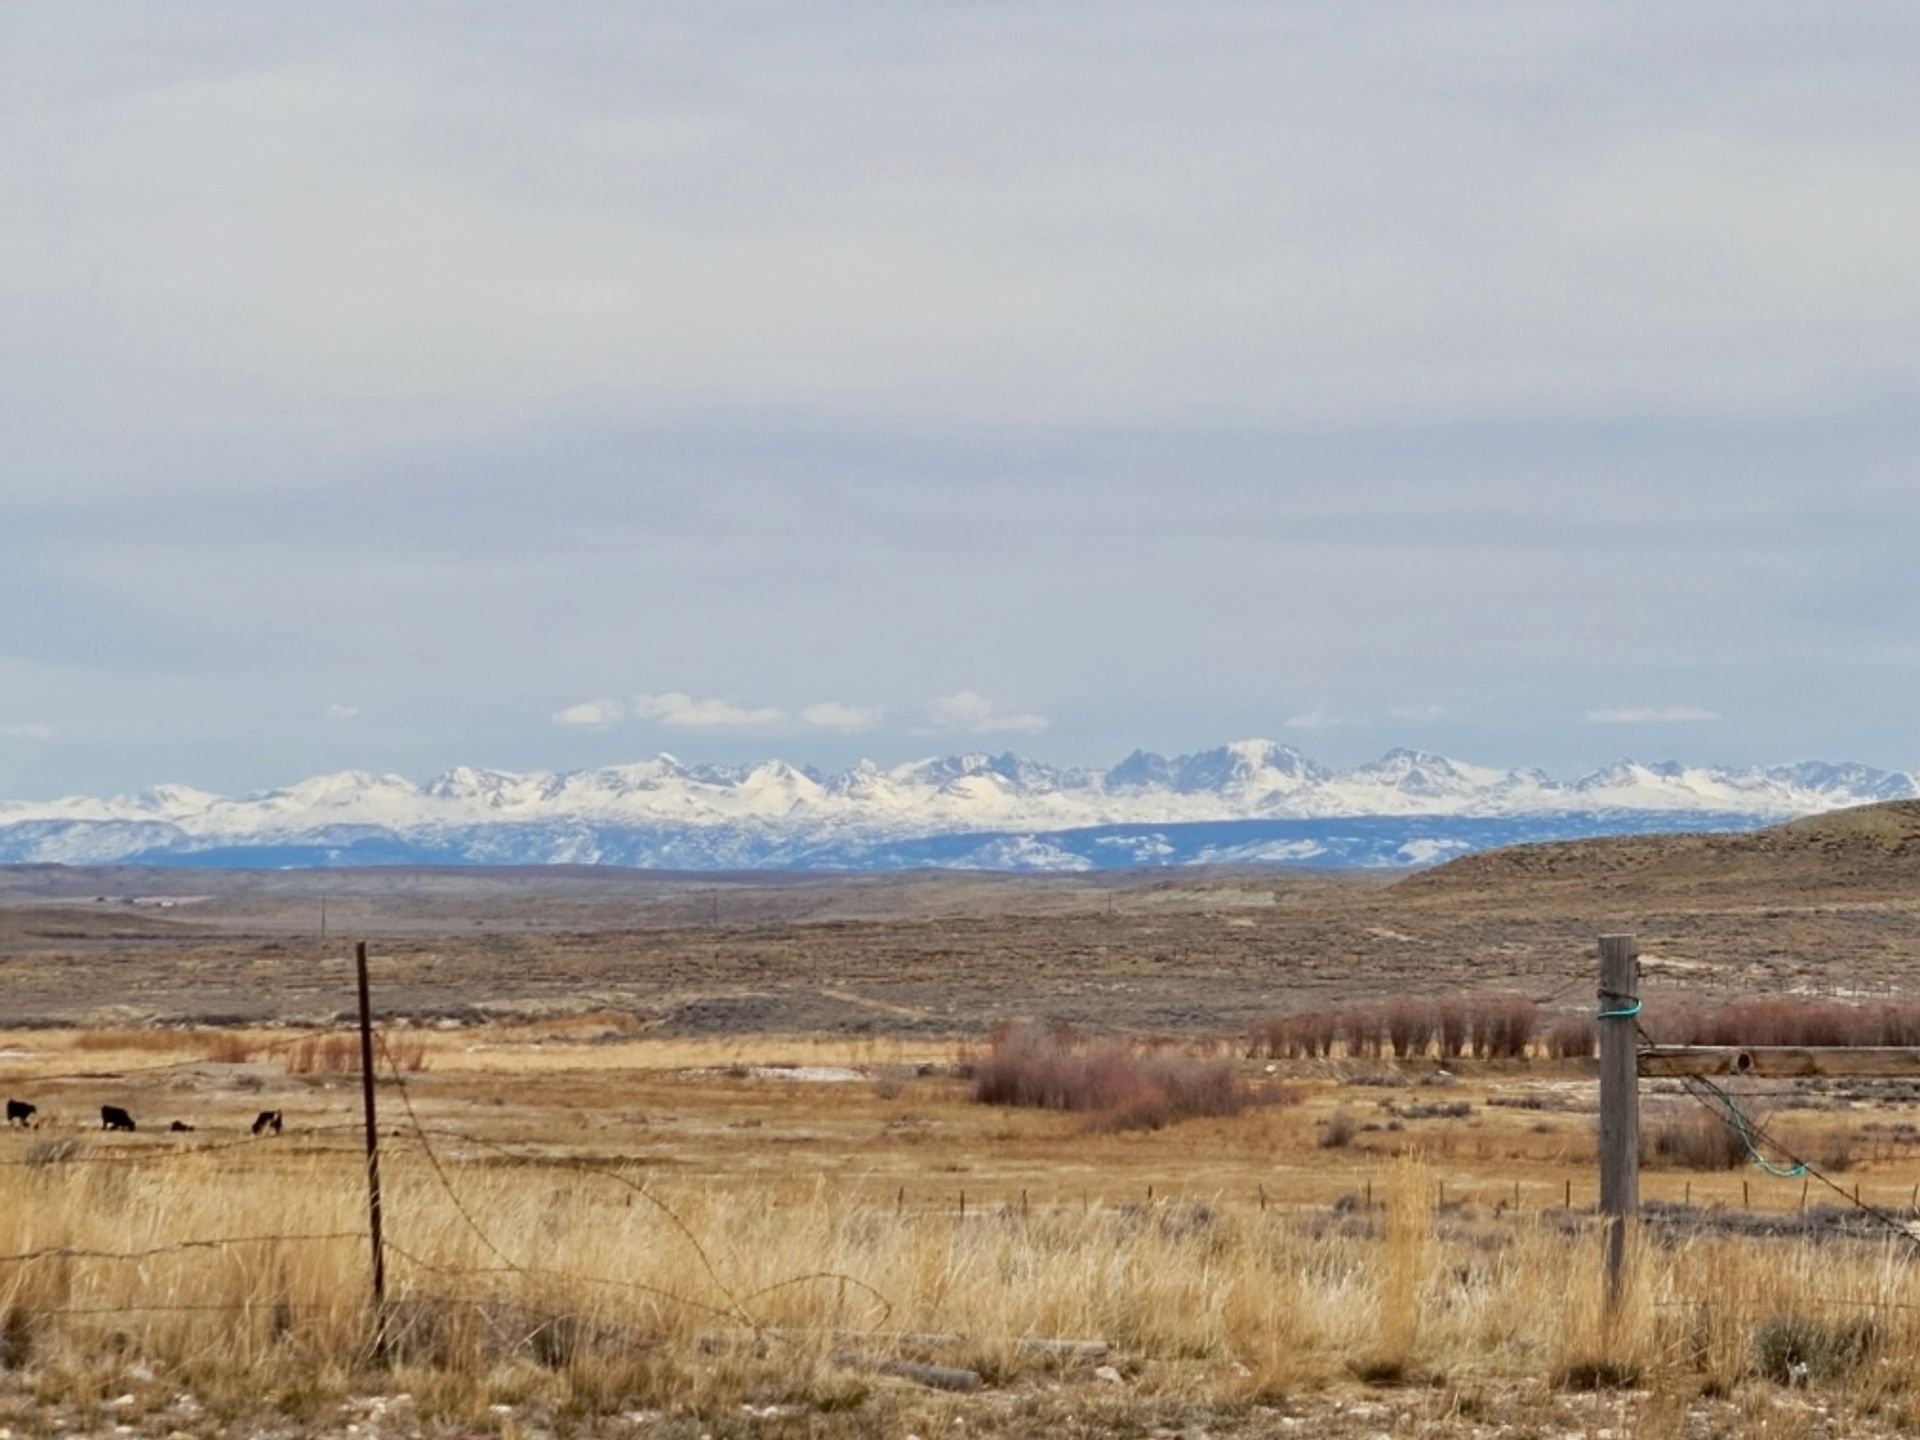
x: 684, y: 712
x: 1417, y: 712
x: 591, y: 714
x: 1311, y: 720
x: 846, y: 719
x: 1653, y: 715
x: 337, y: 711
x: 968, y: 712
x: 26, y: 730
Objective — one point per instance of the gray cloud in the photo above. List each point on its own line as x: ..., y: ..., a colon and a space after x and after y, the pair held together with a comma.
x: 591, y: 714
x: 840, y: 717
x: 1653, y: 715
x: 1175, y: 371
x: 967, y: 712
x: 374, y: 232
x: 684, y: 712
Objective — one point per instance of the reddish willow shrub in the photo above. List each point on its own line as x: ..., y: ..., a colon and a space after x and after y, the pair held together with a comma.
x: 1495, y: 1027
x: 1781, y: 1020
x: 1410, y: 1027
x: 1508, y: 1027
x: 1694, y: 1139
x: 1577, y: 1037
x: 1053, y: 1068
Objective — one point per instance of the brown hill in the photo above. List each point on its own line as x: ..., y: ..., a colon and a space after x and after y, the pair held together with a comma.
x: 1871, y: 852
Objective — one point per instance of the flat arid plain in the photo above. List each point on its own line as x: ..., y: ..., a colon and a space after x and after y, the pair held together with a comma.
x: 1173, y: 1152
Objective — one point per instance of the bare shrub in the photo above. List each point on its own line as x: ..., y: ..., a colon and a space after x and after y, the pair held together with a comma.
x: 1503, y: 1027
x: 324, y: 1055
x: 1455, y: 1025
x: 409, y: 1054
x: 1054, y: 1069
x: 1410, y: 1026
x: 1178, y: 1088
x: 339, y: 1054
x: 1271, y: 1038
x: 1574, y: 1038
x: 1900, y: 1023
x: 228, y: 1048
x: 1791, y: 1349
x: 1318, y: 1031
x: 1479, y: 1030
x: 1363, y: 1031
x: 1829, y: 1024
x: 1337, y: 1131
x: 1792, y: 1021
x: 1693, y: 1139
x: 1307, y: 1036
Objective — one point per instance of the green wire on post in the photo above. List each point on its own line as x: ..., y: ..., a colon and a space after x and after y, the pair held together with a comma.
x: 1739, y: 1122
x: 1734, y: 1117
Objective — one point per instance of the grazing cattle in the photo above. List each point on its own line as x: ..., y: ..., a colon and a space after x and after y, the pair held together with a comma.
x: 19, y: 1112
x: 112, y: 1117
x: 180, y: 1127
x: 265, y: 1121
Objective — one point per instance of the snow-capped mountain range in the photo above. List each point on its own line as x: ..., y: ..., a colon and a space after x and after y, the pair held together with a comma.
x: 1251, y: 800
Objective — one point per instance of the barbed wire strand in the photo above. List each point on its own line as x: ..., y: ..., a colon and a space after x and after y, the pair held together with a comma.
x: 406, y: 1099
x: 511, y: 1267
x: 1747, y: 1128
x: 76, y: 1252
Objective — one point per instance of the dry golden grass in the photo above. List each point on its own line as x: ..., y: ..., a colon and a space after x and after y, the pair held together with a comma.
x: 1229, y: 1260
x: 339, y: 1054
x: 581, y: 1287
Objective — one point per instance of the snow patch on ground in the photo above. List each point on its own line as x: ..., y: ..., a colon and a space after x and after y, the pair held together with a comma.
x: 1431, y: 852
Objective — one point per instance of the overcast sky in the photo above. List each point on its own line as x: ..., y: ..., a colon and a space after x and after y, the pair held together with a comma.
x: 542, y: 385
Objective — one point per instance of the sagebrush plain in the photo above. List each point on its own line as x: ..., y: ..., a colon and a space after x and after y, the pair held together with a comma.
x: 677, y: 1157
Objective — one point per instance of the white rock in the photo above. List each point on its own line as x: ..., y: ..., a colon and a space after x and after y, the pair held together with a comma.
x: 1106, y: 1374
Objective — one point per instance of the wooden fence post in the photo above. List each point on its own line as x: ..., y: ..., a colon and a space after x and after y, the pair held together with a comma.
x: 1619, y: 1100
x: 373, y: 1141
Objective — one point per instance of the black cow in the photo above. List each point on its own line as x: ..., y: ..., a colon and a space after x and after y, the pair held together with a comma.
x: 265, y: 1121
x: 112, y: 1117
x: 180, y: 1127
x: 19, y: 1112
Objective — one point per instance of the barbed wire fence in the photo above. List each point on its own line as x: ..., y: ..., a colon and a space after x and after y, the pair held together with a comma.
x: 727, y: 1307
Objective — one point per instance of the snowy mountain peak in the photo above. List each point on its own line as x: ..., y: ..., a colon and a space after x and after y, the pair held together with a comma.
x: 739, y: 814
x: 173, y: 799
x: 1247, y: 767
x: 1421, y: 772
x: 343, y: 789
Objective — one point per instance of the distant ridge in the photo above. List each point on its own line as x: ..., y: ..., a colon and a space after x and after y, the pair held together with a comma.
x: 1251, y: 801
x: 1862, y: 852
